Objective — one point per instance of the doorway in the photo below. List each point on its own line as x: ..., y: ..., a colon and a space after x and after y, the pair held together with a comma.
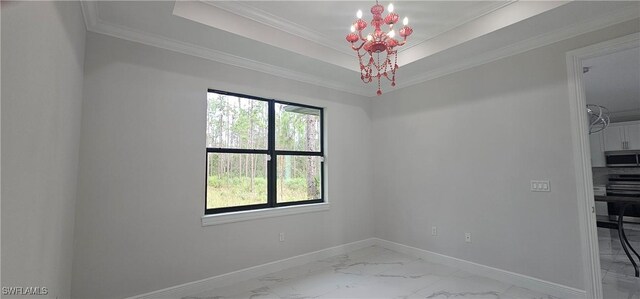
x: 578, y: 66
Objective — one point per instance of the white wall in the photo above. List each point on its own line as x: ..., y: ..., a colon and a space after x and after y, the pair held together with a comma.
x: 43, y: 54
x: 142, y: 162
x: 458, y: 153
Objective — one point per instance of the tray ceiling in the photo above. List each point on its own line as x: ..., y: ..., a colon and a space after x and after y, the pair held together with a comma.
x: 304, y: 40
x: 329, y: 23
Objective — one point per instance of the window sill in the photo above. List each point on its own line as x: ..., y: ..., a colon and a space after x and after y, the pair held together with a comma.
x: 216, y: 219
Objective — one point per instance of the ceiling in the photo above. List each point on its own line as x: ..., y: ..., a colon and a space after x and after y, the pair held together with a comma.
x: 613, y: 81
x: 305, y: 40
x: 329, y: 24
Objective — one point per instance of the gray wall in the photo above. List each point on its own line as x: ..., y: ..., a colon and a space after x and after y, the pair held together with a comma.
x: 458, y: 153
x: 42, y: 58
x: 142, y: 162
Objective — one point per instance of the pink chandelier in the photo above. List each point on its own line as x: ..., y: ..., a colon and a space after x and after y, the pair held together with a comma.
x: 379, y: 47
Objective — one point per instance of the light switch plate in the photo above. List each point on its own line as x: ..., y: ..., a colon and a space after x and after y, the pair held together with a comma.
x: 541, y: 186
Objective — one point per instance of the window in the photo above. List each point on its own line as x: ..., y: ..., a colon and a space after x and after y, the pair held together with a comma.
x: 262, y: 153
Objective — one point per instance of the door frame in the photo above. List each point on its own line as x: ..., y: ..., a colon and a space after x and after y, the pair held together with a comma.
x: 582, y: 155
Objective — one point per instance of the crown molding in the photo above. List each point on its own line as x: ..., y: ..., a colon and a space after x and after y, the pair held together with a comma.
x: 220, y: 19
x: 90, y: 14
x: 542, y: 40
x: 258, y: 15
x: 95, y: 24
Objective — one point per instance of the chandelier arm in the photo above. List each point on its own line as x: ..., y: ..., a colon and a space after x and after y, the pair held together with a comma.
x: 364, y: 39
x: 357, y: 48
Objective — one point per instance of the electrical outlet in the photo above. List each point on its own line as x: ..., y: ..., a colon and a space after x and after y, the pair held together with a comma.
x: 434, y: 231
x: 540, y: 186
x: 281, y: 237
x: 467, y: 237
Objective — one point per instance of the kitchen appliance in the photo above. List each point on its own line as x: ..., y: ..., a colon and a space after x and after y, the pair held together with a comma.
x: 627, y: 185
x: 623, y: 158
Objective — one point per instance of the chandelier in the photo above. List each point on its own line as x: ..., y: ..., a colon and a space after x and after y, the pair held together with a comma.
x: 378, y: 49
x: 598, y: 118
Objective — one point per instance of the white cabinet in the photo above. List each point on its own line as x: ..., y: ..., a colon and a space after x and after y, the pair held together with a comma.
x: 633, y: 136
x: 622, y: 136
x: 614, y: 138
x: 596, y: 141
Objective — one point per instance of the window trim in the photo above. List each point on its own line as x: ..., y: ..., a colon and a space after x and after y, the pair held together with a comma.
x: 238, y: 216
x: 272, y: 171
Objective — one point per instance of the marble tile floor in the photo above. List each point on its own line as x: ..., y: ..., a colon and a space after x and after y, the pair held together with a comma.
x: 618, y: 280
x: 371, y: 272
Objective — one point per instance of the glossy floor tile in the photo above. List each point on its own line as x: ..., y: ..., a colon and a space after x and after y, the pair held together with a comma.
x: 618, y: 280
x: 372, y: 272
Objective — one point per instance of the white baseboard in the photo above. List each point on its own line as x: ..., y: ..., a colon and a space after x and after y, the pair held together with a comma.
x: 529, y: 282
x: 195, y: 287
x: 532, y: 283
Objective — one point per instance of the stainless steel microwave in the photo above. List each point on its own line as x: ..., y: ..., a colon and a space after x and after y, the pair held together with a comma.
x: 623, y: 159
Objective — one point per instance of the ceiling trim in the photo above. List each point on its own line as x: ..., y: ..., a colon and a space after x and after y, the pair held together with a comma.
x: 258, y: 15
x: 95, y: 24
x: 89, y: 13
x: 542, y: 40
x: 496, y: 20
x: 221, y: 19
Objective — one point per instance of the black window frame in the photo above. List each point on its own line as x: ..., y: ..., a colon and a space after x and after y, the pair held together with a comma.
x: 272, y: 154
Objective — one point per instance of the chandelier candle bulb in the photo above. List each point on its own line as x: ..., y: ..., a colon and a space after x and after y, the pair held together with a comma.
x: 377, y: 50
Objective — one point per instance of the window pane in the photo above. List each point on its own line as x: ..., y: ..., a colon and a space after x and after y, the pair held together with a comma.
x: 235, y: 122
x: 236, y: 180
x: 297, y: 128
x: 299, y: 178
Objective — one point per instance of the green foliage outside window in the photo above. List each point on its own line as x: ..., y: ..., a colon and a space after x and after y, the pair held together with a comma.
x: 238, y: 179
